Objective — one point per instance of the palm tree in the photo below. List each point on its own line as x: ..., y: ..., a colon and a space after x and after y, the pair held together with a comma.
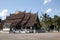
x: 46, y: 21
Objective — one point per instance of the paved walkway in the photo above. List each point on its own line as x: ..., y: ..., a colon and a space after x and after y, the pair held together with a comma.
x: 30, y: 36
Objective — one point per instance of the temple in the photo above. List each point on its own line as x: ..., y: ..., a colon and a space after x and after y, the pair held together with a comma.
x: 22, y: 20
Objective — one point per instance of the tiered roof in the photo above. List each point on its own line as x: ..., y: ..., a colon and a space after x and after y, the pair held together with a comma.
x: 22, y: 18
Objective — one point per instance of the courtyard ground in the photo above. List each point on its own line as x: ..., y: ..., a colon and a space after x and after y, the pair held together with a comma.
x: 30, y: 36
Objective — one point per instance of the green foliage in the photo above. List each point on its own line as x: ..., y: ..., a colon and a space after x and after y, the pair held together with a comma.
x: 47, y: 21
x: 0, y: 20
x: 57, y: 20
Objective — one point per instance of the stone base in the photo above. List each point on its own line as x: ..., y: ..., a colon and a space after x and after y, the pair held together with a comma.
x: 5, y: 30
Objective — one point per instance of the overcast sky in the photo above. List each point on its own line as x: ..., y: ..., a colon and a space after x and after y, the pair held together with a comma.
x: 51, y: 7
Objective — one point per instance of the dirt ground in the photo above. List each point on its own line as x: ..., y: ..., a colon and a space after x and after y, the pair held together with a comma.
x: 30, y: 36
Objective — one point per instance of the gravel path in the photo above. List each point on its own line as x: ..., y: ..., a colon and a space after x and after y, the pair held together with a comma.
x: 30, y: 36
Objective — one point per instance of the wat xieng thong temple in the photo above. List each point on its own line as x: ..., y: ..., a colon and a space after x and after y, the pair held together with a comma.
x: 22, y: 20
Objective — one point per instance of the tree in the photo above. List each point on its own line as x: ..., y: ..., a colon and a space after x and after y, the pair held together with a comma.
x: 46, y: 21
x: 57, y: 21
x: 0, y: 20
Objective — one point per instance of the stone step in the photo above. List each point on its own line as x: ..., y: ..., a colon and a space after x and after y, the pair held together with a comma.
x: 3, y: 32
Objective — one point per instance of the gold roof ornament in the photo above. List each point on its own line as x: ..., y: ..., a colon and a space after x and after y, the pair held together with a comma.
x: 17, y: 12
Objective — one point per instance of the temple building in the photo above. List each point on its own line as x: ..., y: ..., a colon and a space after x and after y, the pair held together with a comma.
x: 22, y: 20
